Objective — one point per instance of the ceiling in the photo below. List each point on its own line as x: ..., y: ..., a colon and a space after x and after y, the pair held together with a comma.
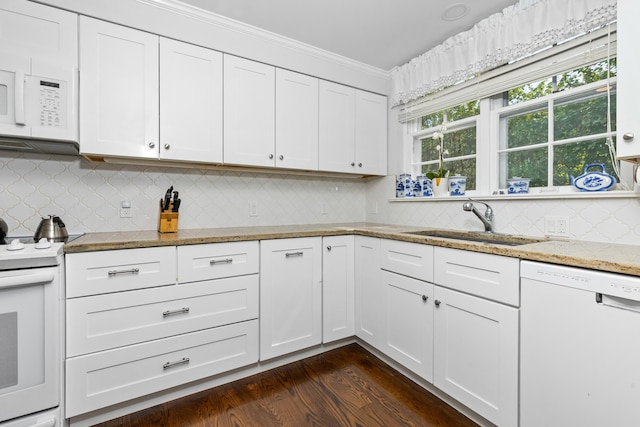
x: 381, y: 33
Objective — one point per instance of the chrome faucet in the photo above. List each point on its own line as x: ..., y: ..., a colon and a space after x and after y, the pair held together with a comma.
x: 487, y: 218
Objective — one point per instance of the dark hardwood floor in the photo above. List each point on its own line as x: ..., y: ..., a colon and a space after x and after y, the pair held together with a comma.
x: 344, y: 387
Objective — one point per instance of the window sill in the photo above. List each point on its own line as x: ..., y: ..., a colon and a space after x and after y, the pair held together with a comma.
x: 539, y: 195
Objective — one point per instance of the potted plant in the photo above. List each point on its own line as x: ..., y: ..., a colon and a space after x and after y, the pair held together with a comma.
x: 440, y: 178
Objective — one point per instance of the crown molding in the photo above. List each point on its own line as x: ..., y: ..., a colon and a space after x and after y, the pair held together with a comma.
x: 229, y: 24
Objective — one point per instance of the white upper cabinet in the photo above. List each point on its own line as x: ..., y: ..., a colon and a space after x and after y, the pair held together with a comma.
x: 628, y: 126
x: 38, y: 71
x: 296, y: 120
x: 146, y: 97
x: 249, y: 112
x: 353, y: 130
x: 190, y: 102
x: 118, y: 90
x: 337, y: 127
x: 371, y: 133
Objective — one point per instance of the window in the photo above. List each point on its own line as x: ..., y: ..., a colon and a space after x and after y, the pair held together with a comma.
x: 546, y: 131
x: 459, y: 142
x: 553, y: 128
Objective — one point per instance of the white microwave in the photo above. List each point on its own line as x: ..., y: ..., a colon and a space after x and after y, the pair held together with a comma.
x: 38, y: 102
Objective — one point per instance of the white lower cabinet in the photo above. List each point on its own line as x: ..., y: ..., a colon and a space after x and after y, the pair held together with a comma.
x: 476, y: 339
x: 105, y: 378
x: 408, y: 318
x: 369, y: 291
x: 338, y: 288
x: 290, y: 295
x: 133, y: 329
x: 476, y: 354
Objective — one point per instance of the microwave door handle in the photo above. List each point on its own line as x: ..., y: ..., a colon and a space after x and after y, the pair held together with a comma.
x: 19, y: 97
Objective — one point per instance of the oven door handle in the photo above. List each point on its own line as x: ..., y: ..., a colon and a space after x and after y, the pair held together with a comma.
x: 26, y: 280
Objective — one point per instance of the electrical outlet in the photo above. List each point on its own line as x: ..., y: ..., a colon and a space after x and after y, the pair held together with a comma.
x: 323, y: 208
x: 125, y: 209
x: 253, y: 209
x: 374, y: 209
x: 556, y: 226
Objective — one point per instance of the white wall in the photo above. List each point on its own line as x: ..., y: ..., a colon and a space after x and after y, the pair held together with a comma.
x: 87, y: 196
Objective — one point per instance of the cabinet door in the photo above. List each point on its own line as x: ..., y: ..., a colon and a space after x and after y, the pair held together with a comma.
x: 296, y: 120
x: 628, y: 139
x: 338, y: 288
x: 337, y: 128
x: 408, y: 316
x: 369, y: 304
x: 190, y: 102
x: 249, y: 112
x: 290, y: 295
x: 371, y: 133
x: 476, y: 354
x: 118, y: 90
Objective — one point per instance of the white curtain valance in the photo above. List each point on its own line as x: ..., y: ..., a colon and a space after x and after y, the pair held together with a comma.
x: 516, y: 32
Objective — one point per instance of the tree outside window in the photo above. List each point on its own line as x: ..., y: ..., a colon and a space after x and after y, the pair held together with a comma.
x: 553, y: 128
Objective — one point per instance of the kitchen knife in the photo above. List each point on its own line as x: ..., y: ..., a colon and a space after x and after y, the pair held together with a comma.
x: 167, y: 198
x: 176, y: 205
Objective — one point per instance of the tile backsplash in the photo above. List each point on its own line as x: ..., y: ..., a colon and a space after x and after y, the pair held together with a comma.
x: 607, y: 220
x: 87, y: 196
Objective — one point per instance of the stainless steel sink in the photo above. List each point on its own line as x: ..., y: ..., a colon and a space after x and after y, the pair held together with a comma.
x: 470, y: 236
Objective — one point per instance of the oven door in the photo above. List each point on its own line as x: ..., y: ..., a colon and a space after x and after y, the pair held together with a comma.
x: 29, y: 333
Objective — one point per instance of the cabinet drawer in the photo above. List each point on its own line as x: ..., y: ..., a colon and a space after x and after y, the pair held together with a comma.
x: 488, y: 276
x: 102, y: 322
x: 106, y: 378
x: 409, y: 259
x: 216, y: 260
x: 91, y: 273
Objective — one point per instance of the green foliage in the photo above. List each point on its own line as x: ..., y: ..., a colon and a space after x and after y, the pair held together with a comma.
x: 573, y: 118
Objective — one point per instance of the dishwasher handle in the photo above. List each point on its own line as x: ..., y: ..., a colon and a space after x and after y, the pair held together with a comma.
x: 618, y: 302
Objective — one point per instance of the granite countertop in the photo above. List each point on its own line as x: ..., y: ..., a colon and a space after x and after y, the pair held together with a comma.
x: 609, y: 257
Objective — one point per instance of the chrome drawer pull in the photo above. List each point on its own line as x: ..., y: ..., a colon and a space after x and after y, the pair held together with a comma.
x: 221, y: 261
x: 290, y: 254
x: 183, y: 361
x: 183, y: 310
x: 116, y: 272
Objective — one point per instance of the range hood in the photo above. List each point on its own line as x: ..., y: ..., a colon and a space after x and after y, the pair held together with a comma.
x: 41, y: 146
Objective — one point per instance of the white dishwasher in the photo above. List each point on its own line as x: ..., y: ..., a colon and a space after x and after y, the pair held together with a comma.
x: 580, y: 347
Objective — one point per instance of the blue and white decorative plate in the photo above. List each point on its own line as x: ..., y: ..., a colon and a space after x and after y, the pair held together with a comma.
x: 593, y: 181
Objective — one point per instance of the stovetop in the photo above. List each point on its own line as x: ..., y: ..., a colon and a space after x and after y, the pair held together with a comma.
x: 23, y: 252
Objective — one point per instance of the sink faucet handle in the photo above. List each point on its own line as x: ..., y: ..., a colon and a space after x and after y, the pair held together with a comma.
x: 488, y: 213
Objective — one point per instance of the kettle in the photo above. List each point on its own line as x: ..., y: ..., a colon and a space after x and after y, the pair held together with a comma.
x: 52, y: 229
x: 3, y: 231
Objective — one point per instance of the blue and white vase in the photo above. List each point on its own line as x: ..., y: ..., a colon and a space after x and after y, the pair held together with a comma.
x: 457, y: 185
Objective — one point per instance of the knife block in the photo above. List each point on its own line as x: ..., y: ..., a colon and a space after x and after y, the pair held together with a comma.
x: 168, y: 222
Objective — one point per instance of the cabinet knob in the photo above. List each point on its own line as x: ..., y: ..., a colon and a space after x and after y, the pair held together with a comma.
x: 271, y: 156
x: 437, y: 303
x: 329, y: 247
x: 425, y: 298
x: 152, y: 145
x: 281, y: 157
x: 353, y: 164
x: 359, y: 165
x: 167, y: 146
x: 628, y: 136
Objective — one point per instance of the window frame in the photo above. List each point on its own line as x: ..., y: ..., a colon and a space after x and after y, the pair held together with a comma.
x: 547, y: 102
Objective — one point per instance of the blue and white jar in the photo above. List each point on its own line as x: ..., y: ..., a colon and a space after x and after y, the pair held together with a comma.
x: 404, y: 185
x: 457, y: 185
x: 426, y: 186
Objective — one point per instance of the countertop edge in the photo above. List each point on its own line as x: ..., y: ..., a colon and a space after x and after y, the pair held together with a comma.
x: 623, y: 259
